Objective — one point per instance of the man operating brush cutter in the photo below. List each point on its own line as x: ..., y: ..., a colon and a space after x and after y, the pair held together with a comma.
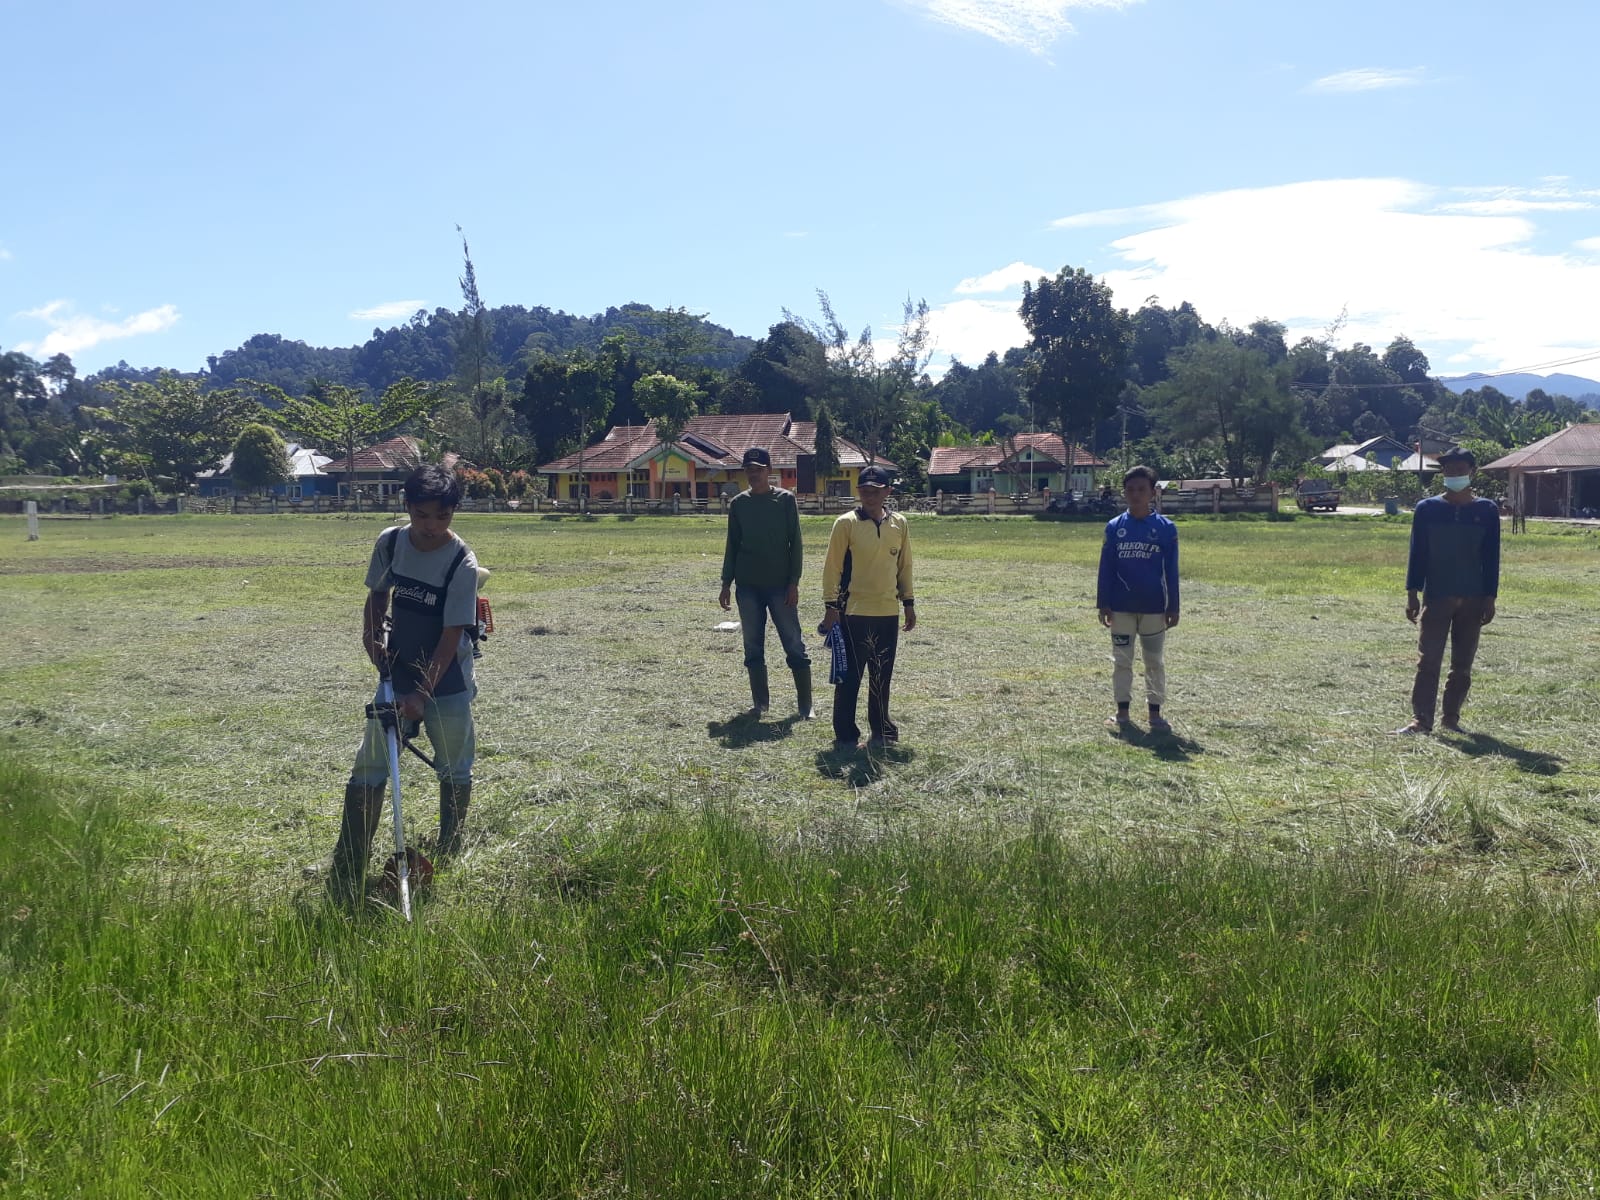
x: 426, y: 657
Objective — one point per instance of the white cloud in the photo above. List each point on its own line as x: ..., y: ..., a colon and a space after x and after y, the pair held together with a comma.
x: 969, y: 329
x: 1031, y: 25
x: 5, y: 254
x: 1390, y: 250
x: 389, y: 310
x: 1003, y: 280
x: 1369, y: 79
x: 1510, y: 206
x: 71, y: 333
x: 1592, y: 244
x: 1108, y: 216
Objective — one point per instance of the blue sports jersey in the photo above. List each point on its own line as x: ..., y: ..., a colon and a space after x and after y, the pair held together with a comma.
x: 1139, y: 565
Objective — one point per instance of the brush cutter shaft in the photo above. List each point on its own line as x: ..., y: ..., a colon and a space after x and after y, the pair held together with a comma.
x: 391, y: 729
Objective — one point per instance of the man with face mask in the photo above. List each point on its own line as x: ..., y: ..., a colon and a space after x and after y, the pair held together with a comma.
x: 1455, y: 565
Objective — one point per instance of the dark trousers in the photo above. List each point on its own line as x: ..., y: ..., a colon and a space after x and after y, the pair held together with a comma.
x: 1458, y: 620
x: 754, y: 605
x: 870, y: 644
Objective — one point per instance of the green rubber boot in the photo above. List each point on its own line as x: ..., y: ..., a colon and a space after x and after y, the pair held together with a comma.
x: 453, y: 801
x: 802, y: 691
x: 363, y: 807
x: 760, y: 697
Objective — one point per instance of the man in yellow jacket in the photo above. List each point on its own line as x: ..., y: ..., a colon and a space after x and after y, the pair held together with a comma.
x: 866, y: 578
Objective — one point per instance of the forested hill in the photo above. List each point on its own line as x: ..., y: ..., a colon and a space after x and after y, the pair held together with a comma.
x: 425, y: 347
x: 1517, y: 387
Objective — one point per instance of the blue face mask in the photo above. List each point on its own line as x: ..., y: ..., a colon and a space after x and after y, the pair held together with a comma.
x: 1457, y: 483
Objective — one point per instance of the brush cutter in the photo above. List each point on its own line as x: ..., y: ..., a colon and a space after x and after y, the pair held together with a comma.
x: 407, y: 863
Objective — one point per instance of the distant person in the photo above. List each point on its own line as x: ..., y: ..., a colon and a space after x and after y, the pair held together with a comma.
x: 1138, y: 596
x: 433, y: 578
x: 763, y: 558
x: 1455, y: 564
x: 866, y: 579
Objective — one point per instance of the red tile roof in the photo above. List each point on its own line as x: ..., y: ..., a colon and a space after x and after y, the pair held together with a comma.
x: 714, y: 442
x: 398, y: 456
x: 954, y: 460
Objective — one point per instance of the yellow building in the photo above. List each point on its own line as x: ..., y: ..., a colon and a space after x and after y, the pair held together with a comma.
x: 704, y: 462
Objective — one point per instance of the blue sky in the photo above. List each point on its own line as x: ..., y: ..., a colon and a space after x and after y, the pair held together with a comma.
x: 186, y: 175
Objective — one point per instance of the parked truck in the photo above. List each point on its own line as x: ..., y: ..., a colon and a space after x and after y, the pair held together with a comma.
x: 1312, y: 494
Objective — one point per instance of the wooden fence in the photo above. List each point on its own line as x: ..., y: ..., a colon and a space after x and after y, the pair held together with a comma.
x: 1209, y: 500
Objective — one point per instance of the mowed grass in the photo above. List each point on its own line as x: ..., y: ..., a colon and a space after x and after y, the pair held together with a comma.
x: 1282, y: 954
x: 215, y: 664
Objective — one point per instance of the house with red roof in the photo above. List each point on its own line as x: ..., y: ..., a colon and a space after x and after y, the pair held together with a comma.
x: 703, y: 462
x: 1557, y: 476
x: 380, y: 470
x: 1025, y: 462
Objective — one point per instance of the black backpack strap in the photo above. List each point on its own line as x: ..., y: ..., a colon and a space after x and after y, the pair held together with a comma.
x: 393, y: 534
x: 456, y: 562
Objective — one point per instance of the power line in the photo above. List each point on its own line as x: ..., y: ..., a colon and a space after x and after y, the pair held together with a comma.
x: 1582, y: 357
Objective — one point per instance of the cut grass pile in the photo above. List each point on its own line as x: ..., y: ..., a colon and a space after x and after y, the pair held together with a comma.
x: 690, y: 1005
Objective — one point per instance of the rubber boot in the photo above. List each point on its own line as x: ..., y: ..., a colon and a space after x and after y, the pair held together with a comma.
x: 453, y: 801
x: 802, y: 691
x: 760, y: 697
x: 363, y: 808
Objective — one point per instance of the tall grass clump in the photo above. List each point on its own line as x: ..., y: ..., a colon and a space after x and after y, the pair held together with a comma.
x: 684, y: 1006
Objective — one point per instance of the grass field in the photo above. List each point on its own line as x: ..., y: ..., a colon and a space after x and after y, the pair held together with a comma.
x: 1280, y: 954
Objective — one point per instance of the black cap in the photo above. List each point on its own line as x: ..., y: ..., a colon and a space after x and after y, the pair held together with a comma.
x: 1458, y: 454
x: 757, y: 457
x: 873, y: 477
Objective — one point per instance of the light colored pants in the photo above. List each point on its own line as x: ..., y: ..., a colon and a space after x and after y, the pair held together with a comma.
x: 448, y: 720
x: 1151, y: 631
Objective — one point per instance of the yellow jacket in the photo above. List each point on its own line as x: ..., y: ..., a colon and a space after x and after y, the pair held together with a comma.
x: 878, y: 558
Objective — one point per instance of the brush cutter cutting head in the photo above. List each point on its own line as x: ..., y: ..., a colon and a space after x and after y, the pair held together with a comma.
x: 419, y: 875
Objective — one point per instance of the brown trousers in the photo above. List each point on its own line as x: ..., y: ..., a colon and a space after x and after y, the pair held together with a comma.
x: 1458, y: 619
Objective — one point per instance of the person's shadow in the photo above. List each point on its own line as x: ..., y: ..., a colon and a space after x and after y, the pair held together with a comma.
x: 1168, y: 747
x: 746, y: 729
x: 1484, y: 745
x: 861, y: 765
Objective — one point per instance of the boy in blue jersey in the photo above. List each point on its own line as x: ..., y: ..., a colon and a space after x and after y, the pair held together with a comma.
x: 1455, y: 565
x: 1138, y: 595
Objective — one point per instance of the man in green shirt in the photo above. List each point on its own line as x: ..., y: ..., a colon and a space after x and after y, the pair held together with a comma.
x: 763, y: 558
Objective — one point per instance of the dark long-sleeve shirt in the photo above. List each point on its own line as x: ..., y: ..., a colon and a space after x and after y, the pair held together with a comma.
x: 763, y: 548
x: 1139, y: 565
x: 1455, y: 548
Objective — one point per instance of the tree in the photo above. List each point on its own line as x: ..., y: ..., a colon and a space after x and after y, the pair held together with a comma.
x: 1078, y: 350
x: 562, y: 399
x: 669, y: 402
x: 332, y: 415
x: 1227, y: 392
x: 785, y: 367
x: 1370, y: 425
x: 171, y: 428
x: 476, y: 373
x: 259, y: 458
x: 870, y: 397
x: 825, y: 445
